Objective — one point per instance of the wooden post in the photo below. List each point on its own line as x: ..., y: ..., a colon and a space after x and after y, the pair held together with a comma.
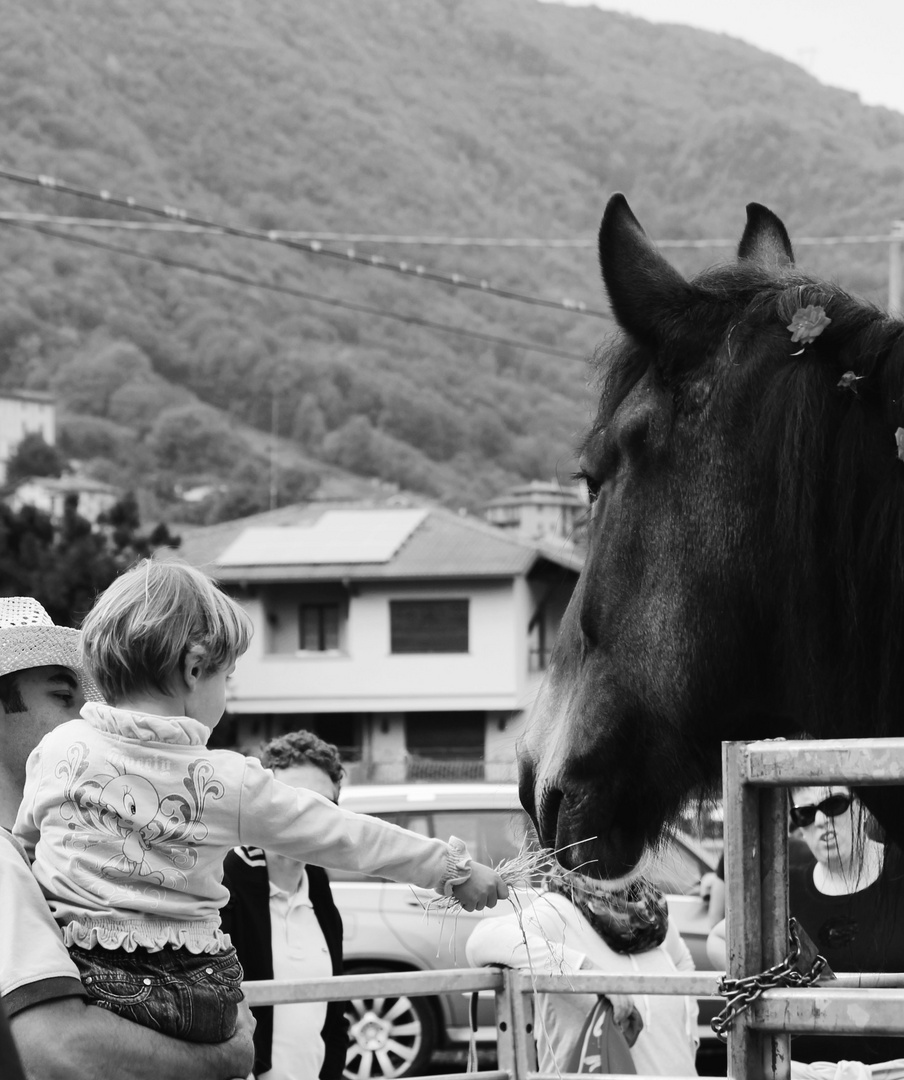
x: 896, y: 269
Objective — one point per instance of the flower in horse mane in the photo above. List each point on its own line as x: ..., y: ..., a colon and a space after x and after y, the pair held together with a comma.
x: 899, y: 440
x: 808, y: 323
x: 849, y: 380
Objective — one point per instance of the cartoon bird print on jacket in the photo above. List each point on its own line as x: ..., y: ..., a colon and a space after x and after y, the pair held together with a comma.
x: 123, y: 827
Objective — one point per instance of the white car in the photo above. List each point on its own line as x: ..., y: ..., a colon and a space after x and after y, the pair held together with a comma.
x: 389, y: 927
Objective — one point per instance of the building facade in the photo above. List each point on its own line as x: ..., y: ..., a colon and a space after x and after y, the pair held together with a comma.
x: 415, y: 639
x: 539, y: 510
x: 24, y: 412
x: 49, y: 494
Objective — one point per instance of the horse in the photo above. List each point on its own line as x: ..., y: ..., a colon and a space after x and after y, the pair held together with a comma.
x: 744, y: 577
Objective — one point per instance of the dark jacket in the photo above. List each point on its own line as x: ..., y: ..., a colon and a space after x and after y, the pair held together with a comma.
x: 246, y: 918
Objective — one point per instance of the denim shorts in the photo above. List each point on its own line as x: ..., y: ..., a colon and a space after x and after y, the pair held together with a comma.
x: 187, y: 995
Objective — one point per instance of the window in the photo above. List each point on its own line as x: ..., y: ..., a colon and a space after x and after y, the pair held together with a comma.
x: 428, y: 626
x: 318, y: 627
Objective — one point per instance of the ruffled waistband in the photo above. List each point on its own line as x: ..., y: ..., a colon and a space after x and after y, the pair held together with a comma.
x: 202, y: 936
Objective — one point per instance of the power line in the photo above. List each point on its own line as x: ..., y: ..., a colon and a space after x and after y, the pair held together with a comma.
x: 426, y: 241
x: 241, y: 279
x: 308, y: 246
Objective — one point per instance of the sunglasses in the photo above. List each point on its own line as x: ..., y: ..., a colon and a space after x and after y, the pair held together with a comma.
x: 802, y: 816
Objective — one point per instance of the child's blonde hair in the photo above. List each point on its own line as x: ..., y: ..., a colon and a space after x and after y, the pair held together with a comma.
x: 141, y: 628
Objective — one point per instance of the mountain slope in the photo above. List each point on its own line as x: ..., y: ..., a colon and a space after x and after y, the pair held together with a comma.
x: 425, y: 117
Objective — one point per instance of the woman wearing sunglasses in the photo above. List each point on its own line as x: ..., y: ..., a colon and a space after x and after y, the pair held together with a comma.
x: 855, y: 920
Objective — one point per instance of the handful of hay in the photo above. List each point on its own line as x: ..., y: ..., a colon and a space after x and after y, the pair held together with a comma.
x: 522, y: 871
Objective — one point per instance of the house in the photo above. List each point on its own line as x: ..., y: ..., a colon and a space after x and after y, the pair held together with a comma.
x: 412, y: 637
x: 540, y: 509
x: 49, y: 493
x: 24, y: 412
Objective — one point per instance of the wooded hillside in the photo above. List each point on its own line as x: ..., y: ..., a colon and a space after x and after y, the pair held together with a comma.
x: 481, y: 118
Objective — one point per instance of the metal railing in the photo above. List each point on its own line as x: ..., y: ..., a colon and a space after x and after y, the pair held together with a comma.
x: 515, y: 1052
x: 756, y: 863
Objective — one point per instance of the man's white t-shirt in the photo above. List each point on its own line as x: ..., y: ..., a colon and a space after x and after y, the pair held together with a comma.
x: 299, y: 952
x: 34, y: 963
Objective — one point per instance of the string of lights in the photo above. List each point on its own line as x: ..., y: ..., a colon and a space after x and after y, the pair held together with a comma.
x: 308, y: 246
x: 241, y: 279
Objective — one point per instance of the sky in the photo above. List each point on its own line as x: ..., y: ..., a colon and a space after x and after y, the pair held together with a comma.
x: 855, y: 44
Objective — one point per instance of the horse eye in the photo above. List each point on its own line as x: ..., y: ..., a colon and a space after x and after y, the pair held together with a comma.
x: 589, y: 484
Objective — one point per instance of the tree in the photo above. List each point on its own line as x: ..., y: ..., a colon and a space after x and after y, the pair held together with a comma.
x: 192, y: 439
x: 65, y: 564
x: 34, y: 457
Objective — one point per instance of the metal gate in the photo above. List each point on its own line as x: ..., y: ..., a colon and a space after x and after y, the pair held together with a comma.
x: 756, y: 864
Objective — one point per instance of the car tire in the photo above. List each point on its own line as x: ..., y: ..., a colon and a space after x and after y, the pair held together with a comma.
x: 389, y: 1037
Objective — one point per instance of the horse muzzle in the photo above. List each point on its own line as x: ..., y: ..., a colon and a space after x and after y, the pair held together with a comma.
x: 573, y: 824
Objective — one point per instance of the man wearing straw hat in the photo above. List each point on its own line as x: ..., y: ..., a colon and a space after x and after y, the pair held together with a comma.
x: 42, y: 684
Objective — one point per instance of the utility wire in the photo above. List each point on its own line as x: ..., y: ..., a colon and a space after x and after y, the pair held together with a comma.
x: 309, y: 247
x: 241, y: 279
x: 435, y: 241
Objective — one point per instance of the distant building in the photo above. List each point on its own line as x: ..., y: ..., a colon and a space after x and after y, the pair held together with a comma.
x: 538, y: 510
x: 24, y: 412
x: 415, y: 639
x: 49, y: 493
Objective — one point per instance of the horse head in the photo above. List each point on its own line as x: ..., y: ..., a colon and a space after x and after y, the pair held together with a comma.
x: 745, y: 567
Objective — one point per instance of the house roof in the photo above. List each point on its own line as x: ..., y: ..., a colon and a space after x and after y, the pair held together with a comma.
x: 67, y: 484
x: 538, y: 493
x: 435, y: 543
x: 41, y: 396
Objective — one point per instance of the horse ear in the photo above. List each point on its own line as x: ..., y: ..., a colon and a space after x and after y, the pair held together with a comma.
x: 646, y: 292
x: 765, y: 240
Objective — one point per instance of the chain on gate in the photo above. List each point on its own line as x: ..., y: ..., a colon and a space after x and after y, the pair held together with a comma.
x: 740, y: 994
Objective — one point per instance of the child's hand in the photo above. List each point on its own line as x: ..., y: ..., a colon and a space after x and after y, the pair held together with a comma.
x: 482, y: 889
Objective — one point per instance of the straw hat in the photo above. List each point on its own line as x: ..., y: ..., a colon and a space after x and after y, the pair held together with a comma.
x: 29, y: 638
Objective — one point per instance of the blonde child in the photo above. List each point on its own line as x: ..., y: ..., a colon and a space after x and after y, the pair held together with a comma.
x: 127, y: 815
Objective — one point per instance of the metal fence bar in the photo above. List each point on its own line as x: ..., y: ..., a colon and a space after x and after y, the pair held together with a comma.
x: 524, y: 1049
x: 515, y: 1047
x: 821, y: 1010
x: 743, y: 902
x: 490, y: 1074
x: 599, y: 982
x: 754, y: 777
x: 868, y: 980
x: 773, y: 809
x: 839, y: 761
x: 384, y: 984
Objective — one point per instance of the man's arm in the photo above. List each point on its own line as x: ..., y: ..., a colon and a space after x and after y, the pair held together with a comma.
x: 66, y: 1039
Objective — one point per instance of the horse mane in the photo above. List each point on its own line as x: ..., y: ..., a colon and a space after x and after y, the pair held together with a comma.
x: 829, y: 447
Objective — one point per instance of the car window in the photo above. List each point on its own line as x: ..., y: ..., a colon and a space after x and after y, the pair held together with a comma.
x: 491, y: 835
x: 416, y: 821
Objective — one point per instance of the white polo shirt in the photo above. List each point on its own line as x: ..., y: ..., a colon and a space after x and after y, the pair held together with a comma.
x: 299, y: 952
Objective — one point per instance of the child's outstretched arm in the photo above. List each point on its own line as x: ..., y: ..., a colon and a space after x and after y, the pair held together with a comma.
x: 482, y: 888
x: 305, y: 826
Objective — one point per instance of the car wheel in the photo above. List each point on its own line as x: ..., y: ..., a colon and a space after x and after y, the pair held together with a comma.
x: 388, y: 1036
